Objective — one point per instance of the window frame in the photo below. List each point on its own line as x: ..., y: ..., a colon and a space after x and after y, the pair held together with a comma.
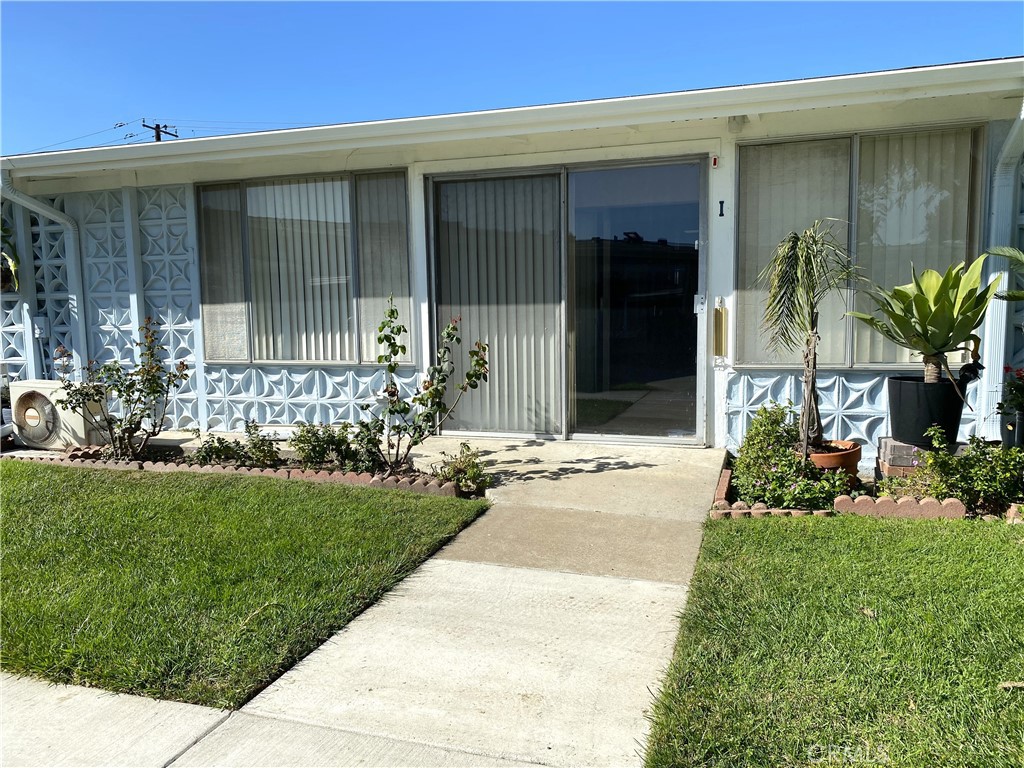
x: 980, y: 163
x: 352, y: 177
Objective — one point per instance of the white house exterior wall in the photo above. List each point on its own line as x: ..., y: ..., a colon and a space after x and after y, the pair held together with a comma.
x: 137, y: 214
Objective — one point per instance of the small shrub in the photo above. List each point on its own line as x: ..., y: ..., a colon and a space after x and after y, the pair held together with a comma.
x: 257, y: 451
x: 465, y: 469
x: 768, y: 470
x: 398, y: 425
x: 985, y: 477
x: 261, y: 450
x: 127, y: 404
x: 215, y: 449
x: 317, y: 445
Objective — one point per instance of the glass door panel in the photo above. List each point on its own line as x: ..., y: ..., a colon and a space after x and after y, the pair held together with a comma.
x: 499, y: 269
x: 634, y: 271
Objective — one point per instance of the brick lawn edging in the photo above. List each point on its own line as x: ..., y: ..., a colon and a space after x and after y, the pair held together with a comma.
x: 420, y: 485
x: 885, y: 506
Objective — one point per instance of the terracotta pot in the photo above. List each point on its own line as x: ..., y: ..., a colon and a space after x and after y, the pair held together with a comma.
x: 846, y: 459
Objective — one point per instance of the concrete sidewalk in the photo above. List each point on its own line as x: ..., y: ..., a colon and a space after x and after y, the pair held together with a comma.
x: 537, y: 637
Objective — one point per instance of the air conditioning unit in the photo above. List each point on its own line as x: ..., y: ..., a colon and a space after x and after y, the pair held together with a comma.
x: 40, y: 423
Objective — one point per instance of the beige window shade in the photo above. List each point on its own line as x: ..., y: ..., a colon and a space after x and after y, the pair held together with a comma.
x: 383, y: 244
x: 785, y: 188
x: 499, y: 269
x: 299, y: 260
x: 914, y: 196
x: 222, y: 273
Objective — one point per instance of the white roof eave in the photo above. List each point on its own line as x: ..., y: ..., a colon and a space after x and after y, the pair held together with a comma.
x: 872, y: 88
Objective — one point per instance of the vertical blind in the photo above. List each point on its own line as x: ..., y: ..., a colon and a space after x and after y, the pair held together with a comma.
x: 499, y: 269
x: 298, y: 253
x: 914, y: 195
x: 383, y: 243
x: 277, y: 266
x: 785, y: 188
x: 222, y: 273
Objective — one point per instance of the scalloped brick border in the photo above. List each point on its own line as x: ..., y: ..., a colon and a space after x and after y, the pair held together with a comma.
x: 906, y: 507
x: 429, y: 487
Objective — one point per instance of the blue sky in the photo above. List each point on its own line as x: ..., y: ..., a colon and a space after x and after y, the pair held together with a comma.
x: 71, y: 69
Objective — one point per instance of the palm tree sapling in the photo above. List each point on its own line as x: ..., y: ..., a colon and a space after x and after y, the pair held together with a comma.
x: 804, y: 268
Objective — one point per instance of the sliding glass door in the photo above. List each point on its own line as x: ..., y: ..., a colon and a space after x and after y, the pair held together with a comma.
x: 499, y: 268
x: 614, y: 350
x: 634, y: 271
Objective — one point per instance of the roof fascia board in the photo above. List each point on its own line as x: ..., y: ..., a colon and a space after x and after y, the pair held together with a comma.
x: 847, y: 90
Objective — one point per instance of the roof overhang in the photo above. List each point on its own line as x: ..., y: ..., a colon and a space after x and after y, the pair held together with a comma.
x: 1000, y: 77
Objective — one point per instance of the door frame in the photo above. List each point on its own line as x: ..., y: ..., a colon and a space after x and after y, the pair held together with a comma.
x: 700, y: 407
x: 564, y: 315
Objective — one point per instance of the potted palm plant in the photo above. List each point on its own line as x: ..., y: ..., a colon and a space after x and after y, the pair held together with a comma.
x: 804, y: 268
x: 934, y: 315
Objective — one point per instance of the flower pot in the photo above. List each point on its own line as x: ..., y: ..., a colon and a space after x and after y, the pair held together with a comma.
x: 1008, y: 430
x: 846, y: 459
x: 915, y: 407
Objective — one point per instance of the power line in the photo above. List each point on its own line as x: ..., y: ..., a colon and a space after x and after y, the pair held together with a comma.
x: 179, y: 121
x: 86, y: 136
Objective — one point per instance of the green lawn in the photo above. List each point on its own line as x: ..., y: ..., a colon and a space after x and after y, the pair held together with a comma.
x: 848, y: 641
x: 199, y: 588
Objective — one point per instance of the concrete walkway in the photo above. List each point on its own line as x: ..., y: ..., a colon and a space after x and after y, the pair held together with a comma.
x: 536, y: 637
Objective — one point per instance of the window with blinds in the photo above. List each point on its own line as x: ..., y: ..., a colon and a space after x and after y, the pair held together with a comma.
x: 915, y: 194
x: 301, y: 269
x: 785, y: 188
x: 915, y: 203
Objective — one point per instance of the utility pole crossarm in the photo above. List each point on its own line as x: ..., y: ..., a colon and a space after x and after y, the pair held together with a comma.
x: 159, y: 130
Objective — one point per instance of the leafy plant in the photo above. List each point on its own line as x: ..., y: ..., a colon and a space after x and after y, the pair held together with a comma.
x: 768, y: 470
x: 804, y: 268
x: 1015, y: 260
x: 125, y: 403
x: 261, y: 450
x: 257, y: 451
x: 984, y: 476
x: 9, y: 260
x: 398, y: 425
x: 214, y: 449
x: 465, y: 469
x: 934, y: 314
x: 317, y: 445
x: 1012, y: 401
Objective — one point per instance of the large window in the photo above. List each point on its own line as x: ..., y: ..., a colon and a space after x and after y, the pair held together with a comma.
x: 287, y: 276
x: 915, y: 203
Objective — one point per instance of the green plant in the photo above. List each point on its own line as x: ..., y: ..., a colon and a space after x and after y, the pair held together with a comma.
x: 261, y: 450
x: 214, y: 449
x: 768, y: 470
x: 398, y: 424
x: 9, y: 261
x: 1012, y: 401
x: 1015, y: 260
x: 126, y: 403
x: 984, y: 476
x: 934, y: 314
x: 257, y: 451
x: 317, y: 445
x: 465, y: 469
x: 804, y: 268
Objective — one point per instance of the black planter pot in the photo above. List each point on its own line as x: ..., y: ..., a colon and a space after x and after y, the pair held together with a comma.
x: 915, y: 407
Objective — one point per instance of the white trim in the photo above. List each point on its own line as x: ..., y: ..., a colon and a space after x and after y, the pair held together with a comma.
x: 136, y: 298
x: 198, y: 341
x: 815, y: 93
